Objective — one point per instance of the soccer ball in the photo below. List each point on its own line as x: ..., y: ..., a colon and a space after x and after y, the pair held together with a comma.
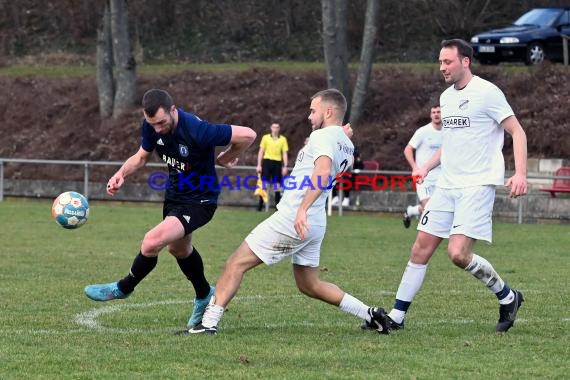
x: 70, y: 210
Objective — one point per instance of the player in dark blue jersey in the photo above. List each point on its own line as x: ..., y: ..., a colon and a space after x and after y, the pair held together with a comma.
x: 187, y: 144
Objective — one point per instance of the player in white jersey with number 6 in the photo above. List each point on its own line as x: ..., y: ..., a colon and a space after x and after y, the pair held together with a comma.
x: 474, y: 115
x: 297, y: 229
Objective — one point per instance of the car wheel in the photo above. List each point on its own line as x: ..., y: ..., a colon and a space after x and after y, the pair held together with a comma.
x: 534, y: 54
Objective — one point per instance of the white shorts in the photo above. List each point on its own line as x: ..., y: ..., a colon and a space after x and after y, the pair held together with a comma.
x: 425, y: 190
x: 467, y: 211
x: 275, y: 239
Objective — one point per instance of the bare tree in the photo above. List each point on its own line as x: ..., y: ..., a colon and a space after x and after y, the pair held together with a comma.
x: 105, y: 83
x: 334, y: 17
x: 123, y: 59
x: 366, y: 60
x: 458, y: 17
x: 116, y: 66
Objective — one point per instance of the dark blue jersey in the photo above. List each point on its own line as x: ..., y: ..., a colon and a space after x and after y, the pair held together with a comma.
x: 189, y: 153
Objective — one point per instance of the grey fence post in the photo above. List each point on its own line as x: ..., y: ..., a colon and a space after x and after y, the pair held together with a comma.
x: 1, y: 180
x: 86, y: 180
x: 520, y: 210
x: 565, y: 39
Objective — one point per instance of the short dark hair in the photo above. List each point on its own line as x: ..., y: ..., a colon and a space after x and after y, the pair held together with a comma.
x: 154, y: 99
x: 333, y: 96
x: 462, y: 46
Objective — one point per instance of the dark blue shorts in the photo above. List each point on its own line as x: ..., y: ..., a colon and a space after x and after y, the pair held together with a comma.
x: 191, y: 215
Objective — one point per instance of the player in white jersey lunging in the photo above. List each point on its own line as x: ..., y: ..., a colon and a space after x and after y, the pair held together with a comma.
x: 425, y: 142
x: 474, y: 115
x: 297, y: 229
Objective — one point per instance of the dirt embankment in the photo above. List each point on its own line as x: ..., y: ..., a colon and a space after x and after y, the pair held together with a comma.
x: 58, y: 118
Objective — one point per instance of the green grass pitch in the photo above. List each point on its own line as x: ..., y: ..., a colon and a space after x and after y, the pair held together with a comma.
x: 50, y: 330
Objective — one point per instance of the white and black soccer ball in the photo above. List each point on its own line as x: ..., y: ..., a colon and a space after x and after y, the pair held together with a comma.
x: 70, y: 210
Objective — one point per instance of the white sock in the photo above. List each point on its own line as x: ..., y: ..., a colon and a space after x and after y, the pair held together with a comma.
x: 397, y: 315
x: 354, y: 306
x: 410, y: 285
x: 484, y: 271
x: 212, y: 315
x: 413, y: 210
x: 508, y: 299
x: 411, y: 282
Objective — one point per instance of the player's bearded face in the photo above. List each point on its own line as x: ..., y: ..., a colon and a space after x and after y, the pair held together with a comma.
x: 316, y: 116
x: 451, y: 65
x: 162, y: 121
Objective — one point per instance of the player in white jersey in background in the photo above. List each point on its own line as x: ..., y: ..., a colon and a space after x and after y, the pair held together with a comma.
x: 425, y: 142
x: 474, y: 115
x: 298, y: 227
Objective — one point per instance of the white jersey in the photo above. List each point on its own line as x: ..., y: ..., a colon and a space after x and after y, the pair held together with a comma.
x: 471, y: 150
x: 426, y: 141
x: 331, y: 142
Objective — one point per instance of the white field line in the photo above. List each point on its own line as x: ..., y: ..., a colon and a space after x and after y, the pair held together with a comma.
x: 89, y: 319
x: 241, y: 326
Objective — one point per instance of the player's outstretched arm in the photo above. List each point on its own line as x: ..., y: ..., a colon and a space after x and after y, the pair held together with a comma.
x: 131, y: 165
x: 242, y: 138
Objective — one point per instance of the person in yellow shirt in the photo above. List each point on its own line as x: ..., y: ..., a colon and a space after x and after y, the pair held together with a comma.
x: 272, y: 161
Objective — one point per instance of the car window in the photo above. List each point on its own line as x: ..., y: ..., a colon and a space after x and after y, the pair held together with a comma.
x: 564, y: 20
x: 539, y: 17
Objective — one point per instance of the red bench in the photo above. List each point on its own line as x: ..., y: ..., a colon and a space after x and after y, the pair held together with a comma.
x: 367, y: 165
x: 559, y: 185
x: 371, y: 165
